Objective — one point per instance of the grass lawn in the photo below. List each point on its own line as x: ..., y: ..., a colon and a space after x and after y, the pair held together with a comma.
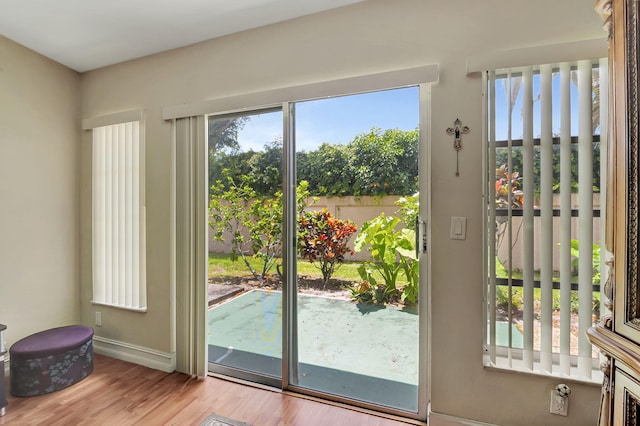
x: 517, y: 292
x: 221, y: 265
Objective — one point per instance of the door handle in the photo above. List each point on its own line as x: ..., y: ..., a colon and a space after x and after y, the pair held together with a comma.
x: 421, y: 237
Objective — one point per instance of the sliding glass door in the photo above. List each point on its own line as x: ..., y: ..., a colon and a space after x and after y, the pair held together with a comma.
x: 356, y: 306
x: 316, y: 248
x: 245, y: 245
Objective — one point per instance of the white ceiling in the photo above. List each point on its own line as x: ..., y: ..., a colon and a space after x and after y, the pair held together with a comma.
x: 89, y: 34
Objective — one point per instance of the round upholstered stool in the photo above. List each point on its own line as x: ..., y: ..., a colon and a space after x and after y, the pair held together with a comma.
x: 51, y: 360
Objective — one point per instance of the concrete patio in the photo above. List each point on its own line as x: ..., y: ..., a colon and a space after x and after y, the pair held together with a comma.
x: 364, y: 352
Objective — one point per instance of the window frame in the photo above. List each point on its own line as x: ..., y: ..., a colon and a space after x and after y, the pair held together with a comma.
x: 140, y: 287
x: 511, y: 357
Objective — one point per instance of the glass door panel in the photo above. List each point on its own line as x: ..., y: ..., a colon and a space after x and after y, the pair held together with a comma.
x: 356, y: 314
x: 245, y: 246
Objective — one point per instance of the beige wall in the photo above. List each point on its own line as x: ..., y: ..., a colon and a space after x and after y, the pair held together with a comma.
x: 372, y: 36
x: 39, y: 140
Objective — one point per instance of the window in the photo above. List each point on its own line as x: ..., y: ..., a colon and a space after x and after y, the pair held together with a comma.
x: 118, y: 214
x: 545, y: 137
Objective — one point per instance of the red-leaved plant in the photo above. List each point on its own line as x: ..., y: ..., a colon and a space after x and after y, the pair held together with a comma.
x: 506, y: 181
x: 323, y: 240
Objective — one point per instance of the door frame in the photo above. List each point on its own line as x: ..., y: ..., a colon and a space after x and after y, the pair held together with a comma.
x: 283, y: 98
x: 289, y: 308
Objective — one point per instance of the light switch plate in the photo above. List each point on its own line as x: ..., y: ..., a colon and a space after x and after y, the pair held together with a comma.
x: 458, y: 228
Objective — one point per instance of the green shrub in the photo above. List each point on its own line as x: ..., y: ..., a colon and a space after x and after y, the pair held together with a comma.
x: 235, y: 210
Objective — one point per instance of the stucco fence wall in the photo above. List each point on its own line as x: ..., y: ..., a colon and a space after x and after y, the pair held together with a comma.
x: 357, y: 209
x: 361, y: 209
x: 517, y: 227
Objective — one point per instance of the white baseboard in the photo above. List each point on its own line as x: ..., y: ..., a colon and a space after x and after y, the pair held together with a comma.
x: 146, y: 357
x: 437, y: 419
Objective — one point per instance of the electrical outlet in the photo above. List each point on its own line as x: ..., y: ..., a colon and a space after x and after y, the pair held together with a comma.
x: 559, y: 404
x: 98, y: 318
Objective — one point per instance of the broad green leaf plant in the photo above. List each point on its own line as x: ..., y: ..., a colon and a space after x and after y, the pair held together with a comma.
x: 392, y: 256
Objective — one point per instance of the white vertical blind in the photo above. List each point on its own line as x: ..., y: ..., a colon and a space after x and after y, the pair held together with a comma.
x: 556, y: 209
x: 509, y: 213
x: 565, y: 218
x: 585, y: 222
x: 528, y: 230
x: 118, y: 212
x: 492, y: 223
x: 191, y: 208
x: 546, y: 219
x: 604, y: 132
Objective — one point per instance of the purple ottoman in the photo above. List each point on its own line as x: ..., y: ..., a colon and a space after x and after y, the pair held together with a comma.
x: 51, y: 360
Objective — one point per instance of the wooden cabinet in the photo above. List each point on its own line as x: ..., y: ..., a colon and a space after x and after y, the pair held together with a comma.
x: 3, y: 390
x: 618, y: 333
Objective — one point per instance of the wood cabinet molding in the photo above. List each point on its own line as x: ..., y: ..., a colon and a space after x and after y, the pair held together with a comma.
x: 618, y: 334
x: 616, y: 347
x: 605, y: 9
x: 631, y: 145
x: 624, y: 173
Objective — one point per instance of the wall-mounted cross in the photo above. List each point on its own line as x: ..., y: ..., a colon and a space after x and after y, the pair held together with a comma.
x: 457, y: 130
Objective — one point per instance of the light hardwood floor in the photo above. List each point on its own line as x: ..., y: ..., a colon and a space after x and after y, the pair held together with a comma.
x: 121, y: 393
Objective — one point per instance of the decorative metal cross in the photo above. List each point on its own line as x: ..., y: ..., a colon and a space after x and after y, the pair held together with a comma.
x: 457, y: 130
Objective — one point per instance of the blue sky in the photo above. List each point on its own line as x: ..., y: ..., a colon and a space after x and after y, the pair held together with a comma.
x: 516, y: 132
x: 337, y: 120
